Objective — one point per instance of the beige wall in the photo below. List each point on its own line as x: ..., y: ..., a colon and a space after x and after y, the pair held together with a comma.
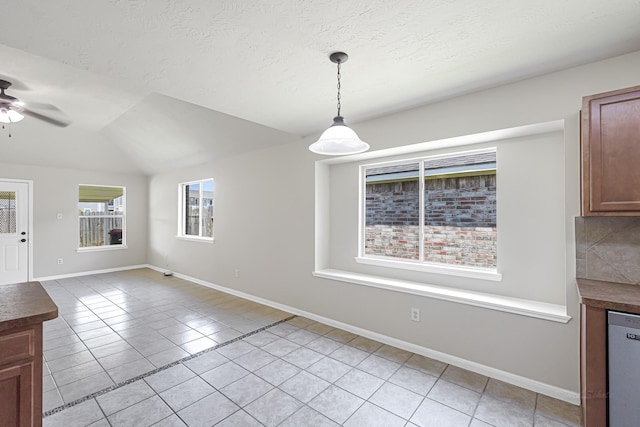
x: 56, y: 191
x: 265, y: 228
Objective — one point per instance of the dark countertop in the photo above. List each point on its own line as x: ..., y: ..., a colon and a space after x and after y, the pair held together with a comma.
x: 609, y: 295
x: 23, y: 304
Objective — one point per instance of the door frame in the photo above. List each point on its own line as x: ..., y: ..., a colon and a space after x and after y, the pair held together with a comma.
x: 29, y: 183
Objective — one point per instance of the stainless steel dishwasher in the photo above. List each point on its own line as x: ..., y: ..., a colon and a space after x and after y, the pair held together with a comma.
x: 624, y: 369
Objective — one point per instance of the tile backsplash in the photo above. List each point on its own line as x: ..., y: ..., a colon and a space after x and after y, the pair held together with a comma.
x: 608, y: 248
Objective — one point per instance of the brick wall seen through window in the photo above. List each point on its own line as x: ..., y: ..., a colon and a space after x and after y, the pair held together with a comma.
x: 458, y: 222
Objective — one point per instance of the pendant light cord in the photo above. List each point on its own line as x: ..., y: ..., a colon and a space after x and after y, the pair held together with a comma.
x: 339, y: 88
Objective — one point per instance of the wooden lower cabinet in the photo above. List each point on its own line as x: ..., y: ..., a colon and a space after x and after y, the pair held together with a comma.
x: 593, y: 366
x: 23, y: 308
x: 596, y: 299
x: 21, y: 377
x: 16, y: 395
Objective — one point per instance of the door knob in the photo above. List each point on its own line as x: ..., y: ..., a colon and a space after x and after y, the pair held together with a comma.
x: 23, y: 240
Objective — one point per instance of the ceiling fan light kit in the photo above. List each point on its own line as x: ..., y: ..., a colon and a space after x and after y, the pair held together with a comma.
x: 12, y: 110
x: 8, y: 115
x: 339, y: 139
x: 10, y: 107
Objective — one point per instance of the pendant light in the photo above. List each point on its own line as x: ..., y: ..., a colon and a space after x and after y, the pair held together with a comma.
x: 338, y: 139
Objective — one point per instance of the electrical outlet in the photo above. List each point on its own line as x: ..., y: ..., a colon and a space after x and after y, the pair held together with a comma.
x: 237, y: 273
x: 60, y: 262
x: 415, y: 314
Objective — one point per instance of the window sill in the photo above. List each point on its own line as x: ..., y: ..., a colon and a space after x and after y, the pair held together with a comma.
x: 102, y: 248
x: 451, y: 270
x: 197, y: 239
x: 523, y: 307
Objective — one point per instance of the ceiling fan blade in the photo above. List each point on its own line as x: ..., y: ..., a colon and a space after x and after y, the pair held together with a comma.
x: 50, y: 120
x: 39, y: 106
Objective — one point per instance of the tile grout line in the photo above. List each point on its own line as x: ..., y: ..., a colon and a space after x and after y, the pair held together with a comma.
x: 162, y: 368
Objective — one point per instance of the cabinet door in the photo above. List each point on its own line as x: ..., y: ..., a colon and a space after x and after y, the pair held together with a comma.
x: 16, y: 395
x: 611, y: 153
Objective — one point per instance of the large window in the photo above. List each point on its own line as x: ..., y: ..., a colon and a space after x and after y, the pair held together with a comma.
x: 526, y: 263
x: 101, y: 216
x: 196, y: 210
x: 434, y: 210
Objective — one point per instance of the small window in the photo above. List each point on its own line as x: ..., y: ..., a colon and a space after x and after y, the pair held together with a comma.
x: 437, y: 210
x: 8, y: 212
x: 196, y: 209
x: 101, y: 216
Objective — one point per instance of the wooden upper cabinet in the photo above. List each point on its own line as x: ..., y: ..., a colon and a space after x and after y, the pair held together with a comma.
x: 611, y: 153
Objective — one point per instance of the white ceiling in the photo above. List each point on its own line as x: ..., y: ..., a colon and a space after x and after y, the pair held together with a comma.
x: 166, y: 76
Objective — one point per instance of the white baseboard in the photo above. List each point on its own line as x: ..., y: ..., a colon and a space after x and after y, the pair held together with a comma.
x: 508, y: 377
x: 89, y: 273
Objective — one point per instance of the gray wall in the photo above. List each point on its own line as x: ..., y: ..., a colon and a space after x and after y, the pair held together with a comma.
x: 56, y: 191
x: 266, y: 230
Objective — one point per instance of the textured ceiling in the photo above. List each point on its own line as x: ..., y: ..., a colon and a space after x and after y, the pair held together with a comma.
x: 112, y: 65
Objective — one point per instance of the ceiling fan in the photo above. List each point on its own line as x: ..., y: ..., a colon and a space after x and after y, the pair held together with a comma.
x: 13, y: 110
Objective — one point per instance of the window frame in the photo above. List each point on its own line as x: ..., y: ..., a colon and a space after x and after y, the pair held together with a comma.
x: 122, y: 216
x: 181, y: 211
x: 515, y: 293
x: 476, y: 272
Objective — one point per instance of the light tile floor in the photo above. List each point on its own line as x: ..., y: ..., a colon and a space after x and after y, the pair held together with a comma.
x: 137, y: 348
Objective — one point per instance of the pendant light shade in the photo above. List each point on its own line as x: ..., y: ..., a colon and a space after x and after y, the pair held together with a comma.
x: 339, y: 139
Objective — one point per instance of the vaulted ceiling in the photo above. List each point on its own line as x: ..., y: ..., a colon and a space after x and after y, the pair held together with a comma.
x: 151, y: 84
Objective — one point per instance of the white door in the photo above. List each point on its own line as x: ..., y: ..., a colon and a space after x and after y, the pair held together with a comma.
x: 14, y: 228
